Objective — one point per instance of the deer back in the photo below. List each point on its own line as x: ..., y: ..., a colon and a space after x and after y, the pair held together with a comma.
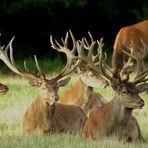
x: 133, y: 33
x: 68, y: 119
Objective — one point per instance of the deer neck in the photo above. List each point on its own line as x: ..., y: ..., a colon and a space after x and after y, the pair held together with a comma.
x: 123, y: 112
x: 86, y: 91
x: 120, y: 117
x: 85, y: 88
x: 43, y: 106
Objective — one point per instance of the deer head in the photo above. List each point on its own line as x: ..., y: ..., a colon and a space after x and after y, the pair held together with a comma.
x: 89, y: 72
x: 48, y: 87
x: 127, y: 91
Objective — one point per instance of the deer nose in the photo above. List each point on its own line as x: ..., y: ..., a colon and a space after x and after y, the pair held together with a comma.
x: 55, y: 97
x: 141, y: 103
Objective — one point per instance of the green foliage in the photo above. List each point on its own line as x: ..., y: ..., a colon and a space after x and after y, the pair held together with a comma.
x: 15, y: 6
x: 33, y: 21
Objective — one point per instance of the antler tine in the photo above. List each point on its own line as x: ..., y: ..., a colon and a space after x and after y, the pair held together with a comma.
x: 74, y: 42
x: 145, y: 49
x: 9, y: 45
x: 127, y: 64
x: 90, y: 47
x: 105, y: 70
x: 141, y: 77
x: 60, y: 48
x: 80, y: 48
x: 65, y: 42
x: 11, y: 53
x: 25, y: 66
x: 52, y: 43
x: 131, y: 54
x: 81, y: 53
x: 90, y: 52
x: 135, y: 53
x: 66, y: 70
x: 91, y: 37
x: 72, y: 59
x: 9, y: 62
x: 139, y: 59
x: 87, y: 45
x: 99, y: 51
x: 37, y: 65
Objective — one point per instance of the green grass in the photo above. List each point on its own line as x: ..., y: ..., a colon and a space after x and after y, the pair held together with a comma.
x: 14, y: 103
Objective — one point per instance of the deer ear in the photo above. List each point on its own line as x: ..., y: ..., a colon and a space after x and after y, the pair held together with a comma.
x: 142, y: 87
x: 64, y: 82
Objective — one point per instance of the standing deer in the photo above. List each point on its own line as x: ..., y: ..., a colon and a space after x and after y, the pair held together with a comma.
x: 113, y: 117
x: 44, y: 115
x: 137, y: 33
x: 83, y: 90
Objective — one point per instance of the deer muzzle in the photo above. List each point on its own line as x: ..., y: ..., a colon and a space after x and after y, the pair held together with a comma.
x: 140, y: 103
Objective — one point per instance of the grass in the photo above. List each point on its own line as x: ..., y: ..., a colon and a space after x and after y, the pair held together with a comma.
x: 14, y: 103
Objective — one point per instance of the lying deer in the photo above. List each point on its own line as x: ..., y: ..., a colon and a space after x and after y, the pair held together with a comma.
x: 44, y: 115
x: 83, y: 89
x: 113, y: 117
x: 135, y: 33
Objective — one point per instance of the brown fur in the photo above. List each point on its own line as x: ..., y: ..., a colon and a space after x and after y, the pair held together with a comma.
x: 132, y: 131
x: 68, y: 118
x: 93, y: 101
x: 80, y: 94
x: 74, y: 95
x: 43, y: 118
x: 124, y: 37
x: 113, y: 118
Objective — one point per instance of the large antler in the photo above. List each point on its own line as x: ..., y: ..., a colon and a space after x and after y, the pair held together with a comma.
x: 6, y: 55
x: 141, y: 72
x: 91, y: 59
x: 72, y: 59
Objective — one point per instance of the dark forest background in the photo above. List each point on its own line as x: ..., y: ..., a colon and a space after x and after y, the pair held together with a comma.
x: 33, y: 21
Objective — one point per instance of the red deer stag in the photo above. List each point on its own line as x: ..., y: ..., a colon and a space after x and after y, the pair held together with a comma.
x: 44, y: 115
x: 113, y: 117
x: 83, y: 90
x: 137, y: 33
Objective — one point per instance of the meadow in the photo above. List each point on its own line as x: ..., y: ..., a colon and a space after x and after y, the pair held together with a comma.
x: 19, y: 97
